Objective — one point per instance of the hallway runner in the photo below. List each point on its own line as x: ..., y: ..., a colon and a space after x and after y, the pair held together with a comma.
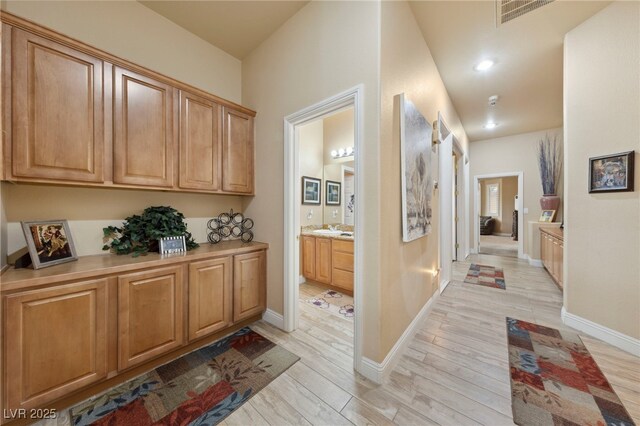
x: 488, y: 276
x: 199, y: 388
x: 555, y: 381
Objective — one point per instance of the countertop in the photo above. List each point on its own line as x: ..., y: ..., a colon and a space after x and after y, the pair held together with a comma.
x: 556, y: 232
x: 310, y: 233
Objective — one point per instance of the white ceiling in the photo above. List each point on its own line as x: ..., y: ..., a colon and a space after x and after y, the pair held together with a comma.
x: 528, y: 54
x: 237, y: 27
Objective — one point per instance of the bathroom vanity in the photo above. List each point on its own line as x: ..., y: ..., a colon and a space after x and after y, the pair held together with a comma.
x: 327, y: 258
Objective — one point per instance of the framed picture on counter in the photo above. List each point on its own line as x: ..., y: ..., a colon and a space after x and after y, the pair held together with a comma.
x: 49, y: 242
x: 547, y: 216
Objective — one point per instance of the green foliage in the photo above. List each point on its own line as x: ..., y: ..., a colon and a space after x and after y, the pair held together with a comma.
x: 139, y: 234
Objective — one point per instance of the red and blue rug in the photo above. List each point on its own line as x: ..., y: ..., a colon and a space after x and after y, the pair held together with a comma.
x: 200, y: 388
x: 555, y: 380
x: 487, y: 276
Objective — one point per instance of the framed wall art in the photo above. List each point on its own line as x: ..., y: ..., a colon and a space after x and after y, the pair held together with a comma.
x: 547, y: 216
x: 311, y: 190
x: 611, y: 173
x: 49, y: 242
x: 332, y: 197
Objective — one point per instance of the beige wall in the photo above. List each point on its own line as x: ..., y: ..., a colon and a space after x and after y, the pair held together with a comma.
x: 515, y: 153
x: 311, y: 154
x: 136, y: 33
x: 406, y: 280
x: 326, y: 48
x: 602, y: 116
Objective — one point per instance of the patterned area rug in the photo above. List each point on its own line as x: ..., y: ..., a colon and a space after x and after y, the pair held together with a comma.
x: 488, y: 276
x: 334, y: 302
x: 200, y: 388
x: 555, y: 381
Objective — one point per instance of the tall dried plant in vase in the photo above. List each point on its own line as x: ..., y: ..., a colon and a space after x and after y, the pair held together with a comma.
x: 550, y: 165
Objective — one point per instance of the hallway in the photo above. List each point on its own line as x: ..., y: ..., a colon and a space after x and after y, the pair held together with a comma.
x: 455, y: 371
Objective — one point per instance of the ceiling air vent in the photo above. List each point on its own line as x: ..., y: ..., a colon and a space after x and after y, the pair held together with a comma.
x: 511, y: 9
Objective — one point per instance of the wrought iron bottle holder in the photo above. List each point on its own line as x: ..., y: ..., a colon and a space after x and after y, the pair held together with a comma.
x: 230, y: 226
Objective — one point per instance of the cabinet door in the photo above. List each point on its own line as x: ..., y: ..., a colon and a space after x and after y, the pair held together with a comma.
x: 237, y: 152
x: 200, y: 143
x: 55, y: 342
x: 323, y: 260
x: 556, y: 258
x: 210, y: 296
x: 58, y: 114
x: 150, y: 314
x: 143, y: 130
x: 560, y: 277
x: 249, y: 285
x: 309, y: 257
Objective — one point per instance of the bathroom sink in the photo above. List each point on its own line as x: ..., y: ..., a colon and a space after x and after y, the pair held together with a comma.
x: 327, y: 232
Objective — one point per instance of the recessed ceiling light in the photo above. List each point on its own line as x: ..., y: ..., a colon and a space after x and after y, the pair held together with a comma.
x: 484, y: 65
x: 490, y: 125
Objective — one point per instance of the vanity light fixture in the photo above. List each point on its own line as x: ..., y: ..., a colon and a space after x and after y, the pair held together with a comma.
x: 343, y: 152
x: 484, y: 65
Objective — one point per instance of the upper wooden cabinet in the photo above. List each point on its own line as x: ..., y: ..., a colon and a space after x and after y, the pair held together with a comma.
x: 76, y: 115
x: 57, y: 111
x: 55, y: 341
x: 200, y: 143
x: 143, y: 137
x: 237, y: 152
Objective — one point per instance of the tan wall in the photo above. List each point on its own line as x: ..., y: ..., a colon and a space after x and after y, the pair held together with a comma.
x: 512, y: 154
x: 406, y: 66
x: 134, y: 32
x: 602, y: 116
x: 326, y: 48
x: 508, y: 192
x: 311, y: 154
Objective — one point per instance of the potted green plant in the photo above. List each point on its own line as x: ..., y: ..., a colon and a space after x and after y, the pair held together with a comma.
x: 550, y: 166
x: 139, y: 234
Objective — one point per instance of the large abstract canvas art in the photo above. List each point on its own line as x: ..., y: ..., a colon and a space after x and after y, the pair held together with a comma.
x: 417, y: 183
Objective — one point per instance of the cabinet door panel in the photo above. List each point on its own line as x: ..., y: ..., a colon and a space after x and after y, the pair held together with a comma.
x: 150, y: 314
x: 343, y: 279
x: 143, y: 138
x: 309, y: 257
x: 323, y: 260
x: 55, y: 342
x: 249, y: 285
x: 58, y: 115
x: 237, y: 152
x: 210, y: 296
x: 200, y: 143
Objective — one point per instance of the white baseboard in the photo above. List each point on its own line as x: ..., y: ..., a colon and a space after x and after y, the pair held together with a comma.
x: 615, y: 338
x: 473, y: 251
x: 534, y: 262
x: 273, y: 318
x: 443, y: 285
x: 378, y: 372
x: 302, y: 279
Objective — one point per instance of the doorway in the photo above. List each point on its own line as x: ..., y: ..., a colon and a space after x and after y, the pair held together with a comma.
x: 499, y: 216
x: 320, y: 197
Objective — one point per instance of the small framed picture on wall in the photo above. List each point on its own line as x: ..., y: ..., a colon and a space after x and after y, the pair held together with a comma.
x: 611, y: 173
x: 333, y: 193
x: 311, y: 190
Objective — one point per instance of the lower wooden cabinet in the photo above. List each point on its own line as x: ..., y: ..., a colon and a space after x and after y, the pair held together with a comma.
x: 328, y: 261
x: 552, y: 253
x: 308, y: 257
x: 210, y: 297
x: 150, y: 314
x: 323, y: 260
x: 249, y: 287
x: 55, y: 341
x: 62, y: 336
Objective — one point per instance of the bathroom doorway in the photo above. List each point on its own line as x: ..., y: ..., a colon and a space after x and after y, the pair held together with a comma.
x: 322, y: 218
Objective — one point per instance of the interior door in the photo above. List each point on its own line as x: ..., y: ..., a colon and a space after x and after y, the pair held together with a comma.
x: 446, y: 203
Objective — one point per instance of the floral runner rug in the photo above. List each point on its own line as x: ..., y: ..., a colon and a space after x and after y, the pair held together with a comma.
x: 556, y: 381
x: 199, y: 388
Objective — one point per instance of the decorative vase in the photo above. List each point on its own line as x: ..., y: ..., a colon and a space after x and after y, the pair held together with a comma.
x: 550, y: 202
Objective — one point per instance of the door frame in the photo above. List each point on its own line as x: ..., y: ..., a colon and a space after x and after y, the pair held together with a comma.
x: 343, y: 172
x: 351, y: 98
x: 476, y: 208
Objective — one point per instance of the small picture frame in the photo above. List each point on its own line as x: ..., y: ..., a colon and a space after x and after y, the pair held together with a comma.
x: 49, y: 242
x: 547, y: 216
x: 170, y: 245
x: 311, y: 190
x: 611, y: 173
x: 332, y: 197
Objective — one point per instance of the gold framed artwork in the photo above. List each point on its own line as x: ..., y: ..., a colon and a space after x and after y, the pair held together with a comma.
x: 547, y: 216
x: 49, y: 242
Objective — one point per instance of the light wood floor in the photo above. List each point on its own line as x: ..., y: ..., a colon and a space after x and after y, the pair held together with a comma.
x: 498, y: 246
x: 455, y: 371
